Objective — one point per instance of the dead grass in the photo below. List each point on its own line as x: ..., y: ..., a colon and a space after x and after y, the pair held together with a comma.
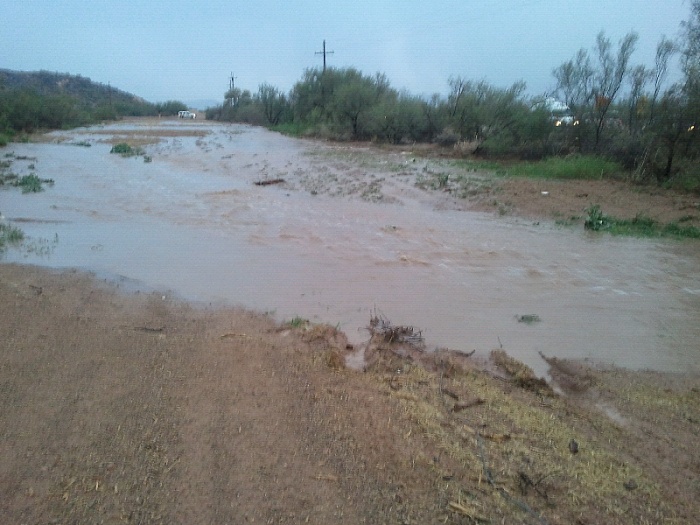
x: 511, y: 455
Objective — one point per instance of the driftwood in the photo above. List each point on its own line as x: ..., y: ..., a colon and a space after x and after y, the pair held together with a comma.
x: 149, y: 329
x: 268, y: 182
x: 461, y: 405
x: 461, y: 509
x: 232, y: 334
x: 326, y: 477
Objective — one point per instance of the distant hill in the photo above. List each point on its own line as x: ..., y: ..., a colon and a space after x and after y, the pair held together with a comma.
x: 46, y: 83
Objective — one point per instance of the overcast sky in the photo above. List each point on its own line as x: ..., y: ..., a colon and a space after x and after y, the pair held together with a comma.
x: 186, y: 49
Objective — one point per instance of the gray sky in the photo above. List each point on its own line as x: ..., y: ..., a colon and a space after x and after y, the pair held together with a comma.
x: 186, y: 50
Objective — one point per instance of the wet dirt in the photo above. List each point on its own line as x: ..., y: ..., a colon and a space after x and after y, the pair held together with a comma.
x: 350, y: 231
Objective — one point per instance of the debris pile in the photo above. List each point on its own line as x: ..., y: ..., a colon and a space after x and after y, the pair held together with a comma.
x: 380, y: 326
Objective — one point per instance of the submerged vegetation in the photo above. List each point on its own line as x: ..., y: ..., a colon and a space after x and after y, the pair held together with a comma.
x: 9, y: 235
x: 30, y: 183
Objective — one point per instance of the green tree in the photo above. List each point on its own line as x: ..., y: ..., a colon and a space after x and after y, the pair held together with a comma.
x: 170, y: 107
x: 273, y: 102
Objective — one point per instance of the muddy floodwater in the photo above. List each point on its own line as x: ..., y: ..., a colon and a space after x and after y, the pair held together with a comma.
x: 347, y: 233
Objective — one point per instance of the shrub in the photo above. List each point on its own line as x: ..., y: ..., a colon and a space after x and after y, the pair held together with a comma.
x: 125, y: 150
x: 447, y: 138
x: 596, y: 220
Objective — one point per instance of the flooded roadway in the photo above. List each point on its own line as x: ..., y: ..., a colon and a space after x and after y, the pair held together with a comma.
x: 343, y: 236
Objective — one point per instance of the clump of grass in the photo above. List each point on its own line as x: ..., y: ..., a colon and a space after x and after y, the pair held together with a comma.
x: 9, y: 235
x: 639, y: 226
x: 298, y: 322
x: 584, y: 167
x: 125, y: 150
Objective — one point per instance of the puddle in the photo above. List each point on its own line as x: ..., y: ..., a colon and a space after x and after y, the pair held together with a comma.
x: 192, y: 221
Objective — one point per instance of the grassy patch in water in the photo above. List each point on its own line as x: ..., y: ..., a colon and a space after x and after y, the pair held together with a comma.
x: 639, y: 226
x: 31, y: 183
x: 9, y: 235
x: 125, y: 150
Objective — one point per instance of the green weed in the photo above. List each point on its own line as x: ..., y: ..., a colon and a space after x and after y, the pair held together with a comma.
x: 298, y: 322
x: 674, y: 229
x: 583, y: 167
x: 640, y: 226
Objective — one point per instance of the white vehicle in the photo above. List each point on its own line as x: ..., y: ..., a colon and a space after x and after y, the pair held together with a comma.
x: 186, y: 114
x: 560, y: 114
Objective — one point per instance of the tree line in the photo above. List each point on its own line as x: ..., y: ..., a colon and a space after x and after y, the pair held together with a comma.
x: 621, y: 111
x: 46, y: 100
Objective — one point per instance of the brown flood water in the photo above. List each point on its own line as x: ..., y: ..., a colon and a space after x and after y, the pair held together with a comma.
x: 346, y: 235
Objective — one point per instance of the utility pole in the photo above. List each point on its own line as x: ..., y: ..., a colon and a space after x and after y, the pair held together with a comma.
x: 324, y: 53
x: 231, y: 85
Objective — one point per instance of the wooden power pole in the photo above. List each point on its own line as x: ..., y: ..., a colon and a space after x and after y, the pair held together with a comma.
x: 324, y: 53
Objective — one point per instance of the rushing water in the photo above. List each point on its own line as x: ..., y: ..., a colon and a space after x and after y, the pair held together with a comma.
x: 192, y: 222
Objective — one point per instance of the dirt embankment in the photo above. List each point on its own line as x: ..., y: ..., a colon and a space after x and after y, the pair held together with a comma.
x: 141, y: 409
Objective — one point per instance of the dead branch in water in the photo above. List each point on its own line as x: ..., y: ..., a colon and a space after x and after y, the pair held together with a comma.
x: 268, y: 182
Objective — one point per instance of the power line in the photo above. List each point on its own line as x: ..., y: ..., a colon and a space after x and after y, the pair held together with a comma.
x: 324, y: 53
